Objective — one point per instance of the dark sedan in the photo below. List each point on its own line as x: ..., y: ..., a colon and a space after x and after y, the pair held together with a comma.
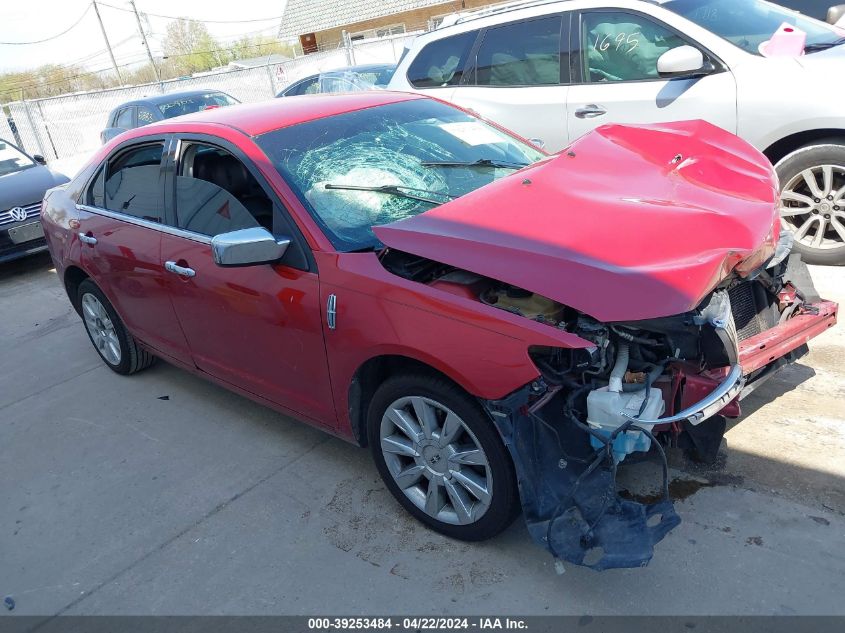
x: 23, y: 181
x: 349, y: 79
x: 141, y: 112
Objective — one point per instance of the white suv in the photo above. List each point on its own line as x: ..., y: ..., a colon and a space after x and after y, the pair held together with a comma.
x: 553, y: 70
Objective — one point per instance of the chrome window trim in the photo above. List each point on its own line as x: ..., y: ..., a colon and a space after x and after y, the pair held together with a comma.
x: 147, y: 224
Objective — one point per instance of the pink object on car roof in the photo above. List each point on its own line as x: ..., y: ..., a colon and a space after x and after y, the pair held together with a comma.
x: 788, y: 41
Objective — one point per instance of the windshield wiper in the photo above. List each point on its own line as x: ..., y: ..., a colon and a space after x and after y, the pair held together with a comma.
x: 395, y: 190
x: 823, y: 46
x: 481, y: 162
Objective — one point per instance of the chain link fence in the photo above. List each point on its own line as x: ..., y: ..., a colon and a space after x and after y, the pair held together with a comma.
x: 68, y: 126
x: 6, y: 132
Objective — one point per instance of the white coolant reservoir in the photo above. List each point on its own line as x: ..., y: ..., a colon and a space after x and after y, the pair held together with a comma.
x: 604, y: 413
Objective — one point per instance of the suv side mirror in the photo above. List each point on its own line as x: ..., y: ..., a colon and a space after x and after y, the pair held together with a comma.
x: 39, y: 159
x: 835, y: 13
x: 247, y: 247
x: 683, y: 61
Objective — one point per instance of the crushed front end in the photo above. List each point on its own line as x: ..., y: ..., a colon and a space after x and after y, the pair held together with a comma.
x: 646, y: 385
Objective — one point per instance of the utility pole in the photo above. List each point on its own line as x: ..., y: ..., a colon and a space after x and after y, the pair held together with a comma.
x: 144, y: 39
x: 106, y: 37
x: 156, y: 69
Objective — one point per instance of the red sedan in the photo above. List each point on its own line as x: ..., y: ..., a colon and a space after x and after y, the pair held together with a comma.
x: 500, y: 326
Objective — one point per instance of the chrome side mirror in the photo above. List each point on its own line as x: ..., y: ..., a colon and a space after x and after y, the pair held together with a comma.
x: 681, y: 61
x: 247, y: 247
x: 836, y: 14
x: 537, y: 142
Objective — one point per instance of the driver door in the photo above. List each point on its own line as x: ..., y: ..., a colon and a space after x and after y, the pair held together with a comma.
x: 615, y: 70
x: 255, y: 327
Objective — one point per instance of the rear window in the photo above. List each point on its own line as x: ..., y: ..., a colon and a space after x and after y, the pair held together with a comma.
x: 442, y: 62
x: 188, y: 105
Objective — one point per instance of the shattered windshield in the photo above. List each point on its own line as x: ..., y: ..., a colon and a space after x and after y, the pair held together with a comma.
x: 749, y: 23
x: 360, y: 169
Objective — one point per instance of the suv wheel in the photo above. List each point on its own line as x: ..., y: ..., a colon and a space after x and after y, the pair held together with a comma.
x: 812, y: 201
x: 113, y: 342
x: 441, y: 457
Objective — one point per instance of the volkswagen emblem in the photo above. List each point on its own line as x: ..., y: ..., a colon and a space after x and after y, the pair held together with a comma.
x: 18, y: 214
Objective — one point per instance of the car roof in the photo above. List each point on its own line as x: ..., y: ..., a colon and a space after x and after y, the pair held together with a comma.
x: 360, y: 68
x: 167, y: 98
x: 366, y: 67
x: 265, y: 116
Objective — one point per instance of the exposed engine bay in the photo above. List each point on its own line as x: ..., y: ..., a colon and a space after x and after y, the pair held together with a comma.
x: 642, y: 386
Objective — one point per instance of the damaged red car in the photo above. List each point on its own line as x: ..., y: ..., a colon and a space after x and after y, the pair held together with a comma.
x: 501, y: 327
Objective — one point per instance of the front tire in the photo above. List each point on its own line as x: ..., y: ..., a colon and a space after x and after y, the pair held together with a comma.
x: 115, y: 345
x: 812, y: 203
x: 441, y: 457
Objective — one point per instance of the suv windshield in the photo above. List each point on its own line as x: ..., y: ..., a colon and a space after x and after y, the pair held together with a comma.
x: 749, y: 23
x: 187, y: 105
x: 12, y: 159
x: 373, y: 166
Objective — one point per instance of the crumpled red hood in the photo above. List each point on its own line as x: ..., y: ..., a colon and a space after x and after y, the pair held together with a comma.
x: 630, y: 222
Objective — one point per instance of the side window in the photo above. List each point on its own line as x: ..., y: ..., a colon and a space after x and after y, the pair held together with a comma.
x: 619, y: 46
x: 304, y: 87
x: 441, y: 63
x: 215, y: 193
x: 95, y: 196
x: 124, y: 119
x: 520, y: 54
x: 133, y: 183
x: 145, y: 115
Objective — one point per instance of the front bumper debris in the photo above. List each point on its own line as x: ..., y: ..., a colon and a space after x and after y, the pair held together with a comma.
x: 568, y: 490
x: 708, y: 406
x: 766, y: 347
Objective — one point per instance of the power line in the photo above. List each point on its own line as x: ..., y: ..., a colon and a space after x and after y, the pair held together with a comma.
x: 174, y: 17
x: 36, y: 84
x: 47, y: 39
x: 124, y: 61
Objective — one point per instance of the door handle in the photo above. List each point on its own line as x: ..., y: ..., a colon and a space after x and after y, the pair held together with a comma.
x: 87, y: 239
x: 590, y: 111
x: 182, y: 271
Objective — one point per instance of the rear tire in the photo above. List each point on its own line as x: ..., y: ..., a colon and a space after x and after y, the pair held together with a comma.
x: 456, y: 474
x: 813, y: 201
x: 115, y: 345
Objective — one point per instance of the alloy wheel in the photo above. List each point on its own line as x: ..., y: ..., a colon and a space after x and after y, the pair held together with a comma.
x: 436, y: 460
x: 812, y: 206
x: 100, y: 327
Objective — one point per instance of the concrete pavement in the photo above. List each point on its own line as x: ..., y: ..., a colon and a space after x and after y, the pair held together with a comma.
x: 161, y: 493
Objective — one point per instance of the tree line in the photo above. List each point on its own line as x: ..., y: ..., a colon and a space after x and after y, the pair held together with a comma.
x: 188, y: 48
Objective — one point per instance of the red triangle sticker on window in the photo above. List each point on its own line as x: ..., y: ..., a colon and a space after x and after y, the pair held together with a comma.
x: 224, y: 211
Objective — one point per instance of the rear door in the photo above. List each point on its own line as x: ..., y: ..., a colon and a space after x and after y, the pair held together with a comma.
x: 121, y: 217
x: 615, y: 77
x: 257, y: 327
x: 516, y: 78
